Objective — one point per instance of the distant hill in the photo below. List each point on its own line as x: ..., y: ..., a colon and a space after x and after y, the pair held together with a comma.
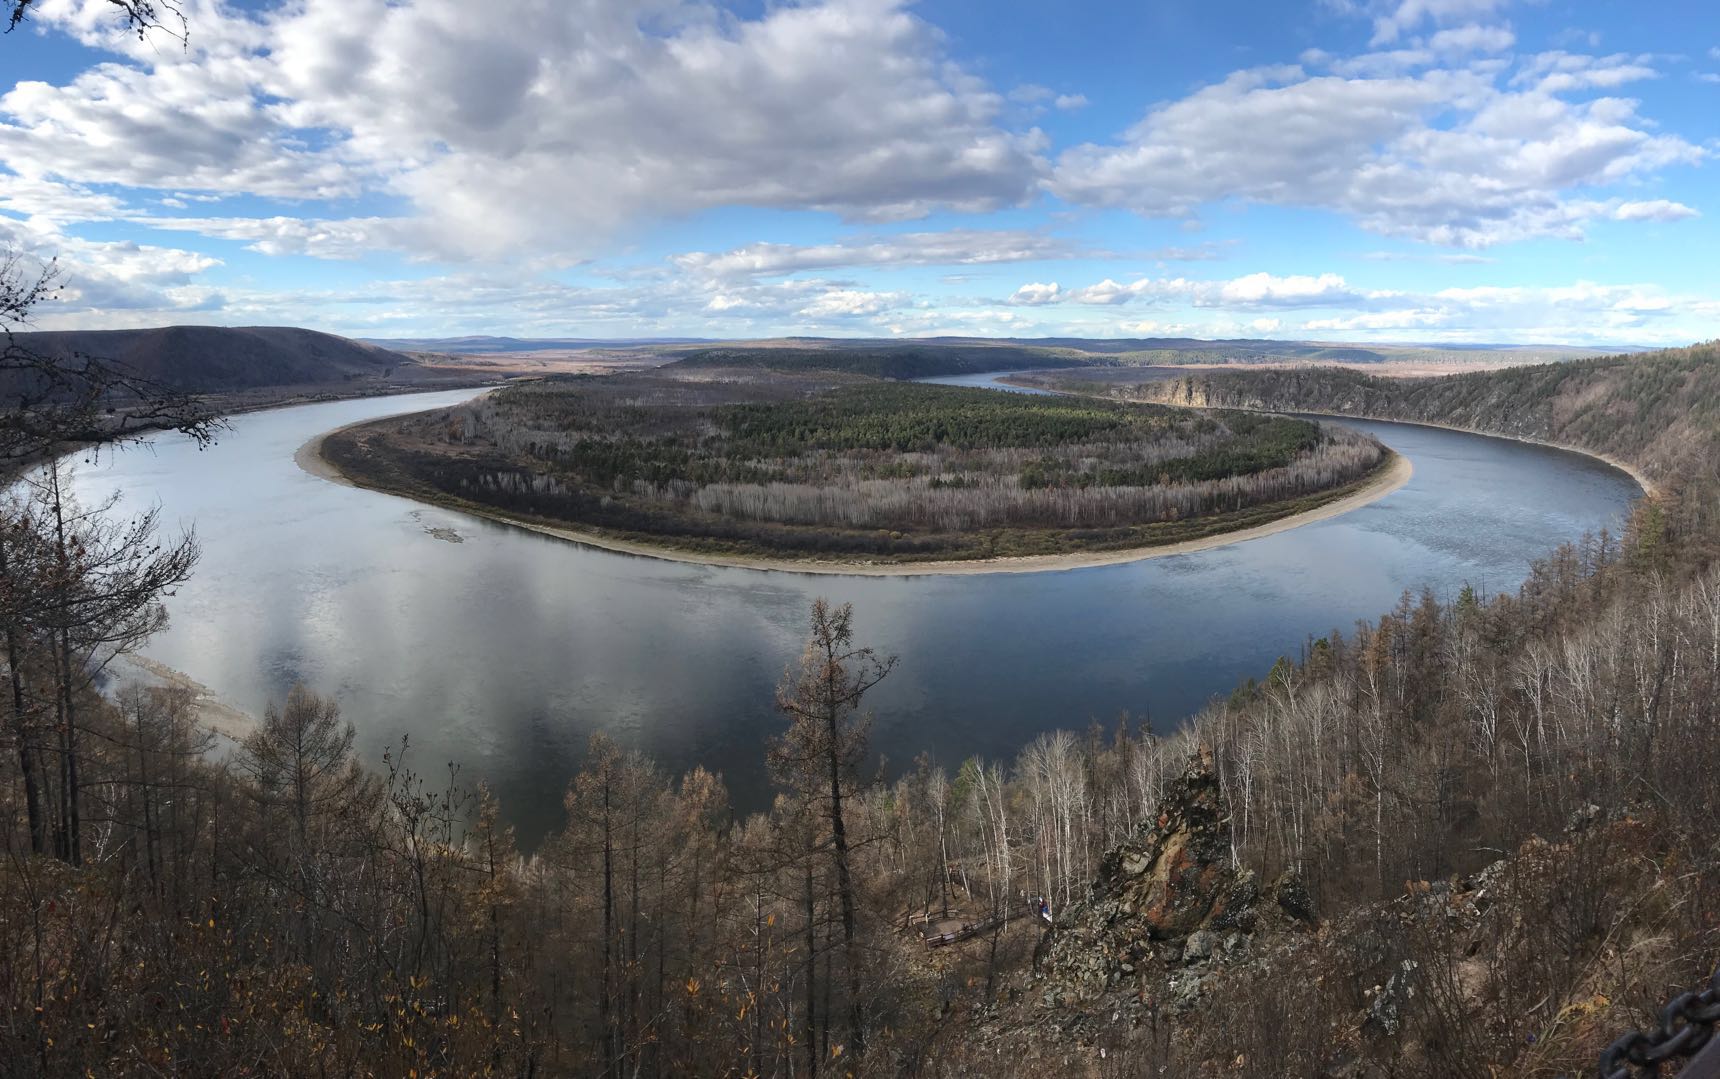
x: 1181, y: 351
x: 1133, y: 351
x: 483, y: 345
x: 897, y: 361
x: 219, y: 359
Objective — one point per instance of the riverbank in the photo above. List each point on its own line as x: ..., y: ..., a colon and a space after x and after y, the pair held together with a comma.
x: 1649, y: 488
x: 1390, y: 477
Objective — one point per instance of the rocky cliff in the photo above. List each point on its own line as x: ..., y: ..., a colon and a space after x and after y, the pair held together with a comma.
x: 1168, y: 907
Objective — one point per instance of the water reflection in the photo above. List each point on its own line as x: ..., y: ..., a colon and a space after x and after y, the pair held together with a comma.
x: 505, y: 650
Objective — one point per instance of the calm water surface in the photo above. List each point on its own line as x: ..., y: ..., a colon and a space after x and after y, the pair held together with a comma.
x: 505, y: 650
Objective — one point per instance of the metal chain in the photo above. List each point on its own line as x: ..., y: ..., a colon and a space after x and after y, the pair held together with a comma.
x: 1686, y: 1026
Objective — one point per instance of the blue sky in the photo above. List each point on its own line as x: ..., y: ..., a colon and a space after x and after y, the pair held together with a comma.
x: 1381, y: 170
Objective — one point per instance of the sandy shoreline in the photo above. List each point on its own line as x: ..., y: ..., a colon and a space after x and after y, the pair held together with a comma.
x: 309, y: 458
x: 212, y: 712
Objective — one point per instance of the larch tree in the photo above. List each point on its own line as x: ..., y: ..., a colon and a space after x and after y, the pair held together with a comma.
x: 817, y: 757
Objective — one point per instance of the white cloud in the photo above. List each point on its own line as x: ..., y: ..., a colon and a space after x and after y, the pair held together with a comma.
x: 132, y: 285
x: 109, y: 276
x: 1035, y: 294
x: 956, y: 247
x: 1071, y: 101
x: 1263, y: 289
x: 1444, y: 155
x: 339, y: 239
x: 1249, y: 291
x: 1154, y: 328
x: 850, y: 303
x: 1472, y: 38
x: 51, y: 204
x: 517, y: 124
x: 1562, y: 72
x: 1581, y: 312
x: 1397, y: 17
x: 1652, y: 210
x: 1255, y: 304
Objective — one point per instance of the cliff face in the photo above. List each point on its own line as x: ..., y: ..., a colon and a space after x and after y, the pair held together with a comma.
x: 1168, y: 906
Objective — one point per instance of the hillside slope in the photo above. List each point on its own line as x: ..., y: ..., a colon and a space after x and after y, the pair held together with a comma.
x: 218, y: 359
x: 1659, y: 411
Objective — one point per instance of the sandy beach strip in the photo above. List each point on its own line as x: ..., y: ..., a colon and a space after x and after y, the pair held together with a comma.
x: 310, y: 458
x: 1392, y: 478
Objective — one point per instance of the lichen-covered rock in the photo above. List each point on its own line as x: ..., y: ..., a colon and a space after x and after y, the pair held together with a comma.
x: 1199, y: 946
x: 1388, y: 1003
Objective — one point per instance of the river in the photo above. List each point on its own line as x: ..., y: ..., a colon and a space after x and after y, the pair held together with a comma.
x: 503, y: 650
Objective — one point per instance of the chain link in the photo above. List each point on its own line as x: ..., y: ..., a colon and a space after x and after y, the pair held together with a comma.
x: 1686, y: 1025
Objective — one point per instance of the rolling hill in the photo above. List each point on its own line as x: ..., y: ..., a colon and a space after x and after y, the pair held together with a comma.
x: 219, y: 359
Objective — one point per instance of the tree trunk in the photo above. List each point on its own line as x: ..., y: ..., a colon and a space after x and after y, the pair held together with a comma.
x: 611, y: 1060
x: 809, y: 1027
x: 27, y: 762
x: 845, y: 892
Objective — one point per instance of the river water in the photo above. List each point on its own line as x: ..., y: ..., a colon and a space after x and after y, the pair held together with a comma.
x: 503, y: 650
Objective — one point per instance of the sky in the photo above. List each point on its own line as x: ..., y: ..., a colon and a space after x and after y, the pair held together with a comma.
x: 1482, y: 171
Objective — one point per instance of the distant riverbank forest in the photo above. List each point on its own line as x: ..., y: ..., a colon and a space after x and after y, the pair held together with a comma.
x: 819, y: 465
x: 894, y: 361
x: 1659, y: 411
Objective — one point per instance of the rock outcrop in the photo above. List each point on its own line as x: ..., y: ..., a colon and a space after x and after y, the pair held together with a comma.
x: 1169, y: 903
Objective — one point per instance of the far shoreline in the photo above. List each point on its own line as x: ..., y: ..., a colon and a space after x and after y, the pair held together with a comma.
x: 1649, y: 488
x: 1387, y: 480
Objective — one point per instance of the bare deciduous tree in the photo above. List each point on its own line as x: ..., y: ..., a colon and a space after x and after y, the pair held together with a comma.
x: 819, y: 753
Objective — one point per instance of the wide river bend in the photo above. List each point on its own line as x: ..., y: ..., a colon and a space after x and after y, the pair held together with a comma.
x: 503, y: 650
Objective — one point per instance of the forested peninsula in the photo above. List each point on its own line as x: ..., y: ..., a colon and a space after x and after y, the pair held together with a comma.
x: 810, y: 464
